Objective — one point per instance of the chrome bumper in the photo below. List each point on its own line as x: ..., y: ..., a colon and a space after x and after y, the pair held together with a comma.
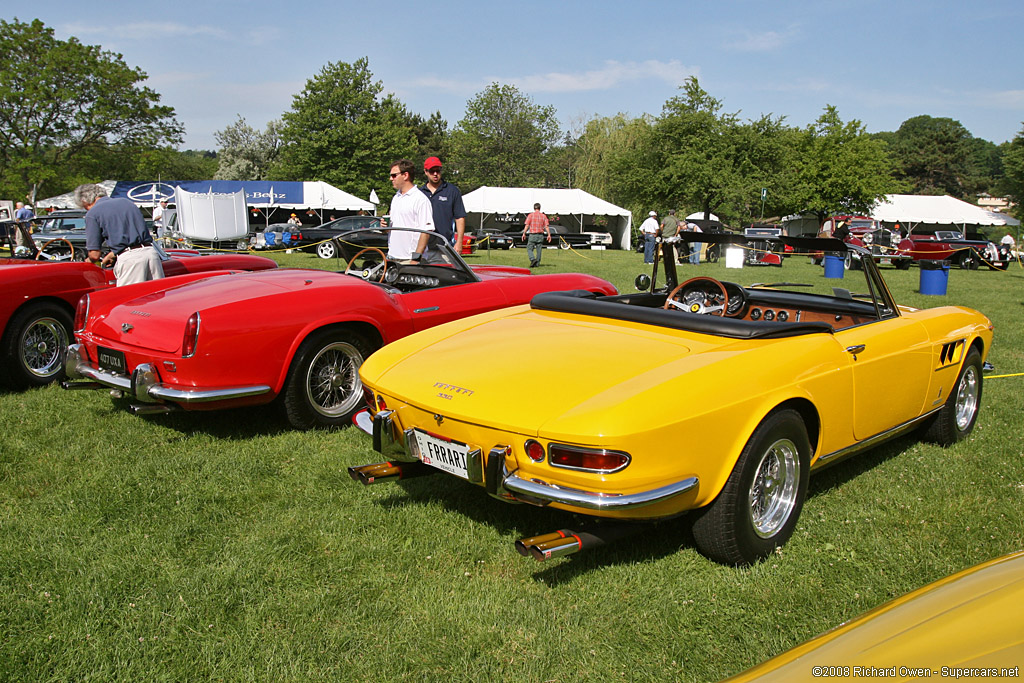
x: 144, y: 383
x: 490, y: 471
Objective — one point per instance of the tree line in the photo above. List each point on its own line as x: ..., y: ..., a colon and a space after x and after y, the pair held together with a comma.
x: 71, y: 113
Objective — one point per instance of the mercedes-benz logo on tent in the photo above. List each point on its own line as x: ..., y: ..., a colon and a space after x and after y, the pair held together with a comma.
x: 151, y: 193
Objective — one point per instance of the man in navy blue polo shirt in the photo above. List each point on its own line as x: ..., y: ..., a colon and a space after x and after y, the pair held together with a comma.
x: 446, y: 201
x: 118, y: 223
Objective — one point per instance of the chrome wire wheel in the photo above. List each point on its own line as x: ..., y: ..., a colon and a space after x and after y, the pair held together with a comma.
x: 332, y: 382
x: 773, y: 492
x: 967, y: 392
x: 42, y: 348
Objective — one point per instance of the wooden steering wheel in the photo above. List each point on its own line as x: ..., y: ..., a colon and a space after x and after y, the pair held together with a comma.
x: 698, y: 299
x: 42, y: 249
x: 377, y: 271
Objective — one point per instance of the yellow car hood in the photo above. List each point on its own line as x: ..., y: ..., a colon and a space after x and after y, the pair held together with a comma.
x: 576, y: 377
x: 970, y: 620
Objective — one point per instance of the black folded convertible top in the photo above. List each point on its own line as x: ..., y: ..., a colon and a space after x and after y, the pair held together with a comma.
x: 582, y: 303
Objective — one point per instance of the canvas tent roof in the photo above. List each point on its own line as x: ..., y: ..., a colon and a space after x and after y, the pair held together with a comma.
x: 522, y: 199
x: 566, y: 202
x: 912, y: 209
x: 67, y: 200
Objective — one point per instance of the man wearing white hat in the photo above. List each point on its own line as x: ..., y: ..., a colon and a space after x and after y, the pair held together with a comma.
x: 649, y: 229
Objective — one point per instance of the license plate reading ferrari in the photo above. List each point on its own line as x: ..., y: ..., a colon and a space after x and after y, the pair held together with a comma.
x: 111, y: 360
x: 449, y: 456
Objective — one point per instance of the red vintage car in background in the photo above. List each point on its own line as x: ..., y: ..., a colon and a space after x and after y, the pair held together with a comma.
x: 297, y: 334
x: 39, y: 299
x: 952, y: 246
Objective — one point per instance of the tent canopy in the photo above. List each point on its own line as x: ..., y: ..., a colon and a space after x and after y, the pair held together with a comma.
x: 912, y: 210
x: 575, y: 203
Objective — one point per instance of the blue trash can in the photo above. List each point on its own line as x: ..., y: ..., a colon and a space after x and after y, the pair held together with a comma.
x: 934, y: 276
x: 835, y: 266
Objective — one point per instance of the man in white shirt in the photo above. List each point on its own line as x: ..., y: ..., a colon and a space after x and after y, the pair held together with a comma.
x: 649, y: 230
x: 158, y: 217
x: 1008, y: 241
x: 695, y: 247
x: 410, y: 208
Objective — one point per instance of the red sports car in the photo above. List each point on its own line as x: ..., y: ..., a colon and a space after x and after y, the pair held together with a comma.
x: 39, y: 299
x: 292, y: 333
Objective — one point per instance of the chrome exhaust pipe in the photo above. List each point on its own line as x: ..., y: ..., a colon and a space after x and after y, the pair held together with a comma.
x: 567, y: 542
x: 153, y: 408
x: 72, y: 386
x: 523, y: 545
x: 388, y: 471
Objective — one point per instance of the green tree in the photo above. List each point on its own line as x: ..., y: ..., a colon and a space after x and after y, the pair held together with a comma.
x: 246, y: 153
x: 841, y: 168
x: 936, y: 156
x: 431, y: 136
x: 340, y: 130
x: 1013, y: 173
x: 60, y: 99
x: 503, y: 140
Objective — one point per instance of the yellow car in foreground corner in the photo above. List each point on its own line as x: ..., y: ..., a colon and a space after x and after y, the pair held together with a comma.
x: 705, y: 396
x: 965, y: 626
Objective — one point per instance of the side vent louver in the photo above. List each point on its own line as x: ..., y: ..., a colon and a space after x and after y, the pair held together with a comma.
x: 951, y: 353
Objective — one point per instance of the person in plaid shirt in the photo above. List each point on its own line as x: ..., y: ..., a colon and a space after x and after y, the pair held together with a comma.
x: 536, y: 224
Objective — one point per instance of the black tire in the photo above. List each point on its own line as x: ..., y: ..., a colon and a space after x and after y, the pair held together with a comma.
x: 969, y: 260
x: 774, y: 468
x: 903, y: 264
x: 323, y: 387
x: 712, y: 255
x: 956, y: 418
x: 326, y: 250
x: 35, y: 344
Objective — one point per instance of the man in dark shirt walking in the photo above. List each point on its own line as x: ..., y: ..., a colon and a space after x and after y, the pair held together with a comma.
x: 446, y: 203
x: 119, y: 223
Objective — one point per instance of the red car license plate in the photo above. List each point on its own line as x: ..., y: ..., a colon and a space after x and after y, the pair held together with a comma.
x: 111, y: 360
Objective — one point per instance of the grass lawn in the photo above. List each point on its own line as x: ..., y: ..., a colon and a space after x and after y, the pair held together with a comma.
x: 225, y: 546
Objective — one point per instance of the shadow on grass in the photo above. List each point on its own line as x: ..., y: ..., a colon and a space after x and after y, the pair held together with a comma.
x: 653, y: 541
x: 233, y: 424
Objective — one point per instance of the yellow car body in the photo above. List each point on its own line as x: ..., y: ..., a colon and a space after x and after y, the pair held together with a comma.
x: 676, y: 402
x: 965, y: 626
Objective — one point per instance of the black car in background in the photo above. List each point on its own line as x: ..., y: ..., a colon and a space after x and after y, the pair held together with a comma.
x: 560, y: 236
x: 319, y: 239
x: 493, y: 238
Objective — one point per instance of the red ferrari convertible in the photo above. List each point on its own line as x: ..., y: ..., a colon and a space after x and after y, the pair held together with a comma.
x: 39, y: 299
x: 297, y: 334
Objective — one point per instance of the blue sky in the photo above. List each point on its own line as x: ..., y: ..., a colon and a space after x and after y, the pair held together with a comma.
x: 878, y: 62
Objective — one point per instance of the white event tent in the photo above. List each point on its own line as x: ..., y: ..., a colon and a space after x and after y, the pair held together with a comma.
x: 488, y: 206
x: 923, y: 213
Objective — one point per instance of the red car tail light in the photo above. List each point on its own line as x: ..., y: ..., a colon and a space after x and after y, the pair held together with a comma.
x: 381, y: 403
x: 81, y: 313
x: 188, y: 343
x: 534, y: 450
x: 587, y: 459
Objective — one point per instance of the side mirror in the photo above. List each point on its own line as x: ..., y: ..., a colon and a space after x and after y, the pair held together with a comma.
x: 642, y: 282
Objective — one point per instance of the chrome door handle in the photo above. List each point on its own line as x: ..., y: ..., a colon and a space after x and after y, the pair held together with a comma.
x: 855, y: 349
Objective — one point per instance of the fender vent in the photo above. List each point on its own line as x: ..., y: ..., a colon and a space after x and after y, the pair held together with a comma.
x: 951, y: 353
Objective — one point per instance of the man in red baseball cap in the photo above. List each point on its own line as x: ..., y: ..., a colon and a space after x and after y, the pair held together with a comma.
x: 446, y: 202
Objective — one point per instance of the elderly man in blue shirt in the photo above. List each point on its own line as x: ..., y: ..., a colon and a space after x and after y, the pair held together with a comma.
x: 119, y: 223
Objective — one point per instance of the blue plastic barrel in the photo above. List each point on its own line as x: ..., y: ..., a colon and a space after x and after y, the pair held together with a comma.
x: 834, y: 266
x: 934, y: 277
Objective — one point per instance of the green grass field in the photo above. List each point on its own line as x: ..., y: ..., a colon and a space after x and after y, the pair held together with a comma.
x: 224, y: 546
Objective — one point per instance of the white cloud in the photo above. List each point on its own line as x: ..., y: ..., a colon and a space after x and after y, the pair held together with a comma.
x: 760, y: 41
x: 611, y: 75
x: 161, y: 30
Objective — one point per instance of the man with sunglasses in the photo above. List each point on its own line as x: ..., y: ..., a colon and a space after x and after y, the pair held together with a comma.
x: 446, y: 202
x: 410, y: 208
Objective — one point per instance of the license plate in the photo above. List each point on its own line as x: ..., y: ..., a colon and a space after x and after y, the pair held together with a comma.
x: 111, y: 360
x: 449, y: 456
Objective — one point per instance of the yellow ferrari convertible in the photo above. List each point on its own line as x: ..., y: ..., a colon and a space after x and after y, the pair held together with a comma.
x: 702, y: 395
